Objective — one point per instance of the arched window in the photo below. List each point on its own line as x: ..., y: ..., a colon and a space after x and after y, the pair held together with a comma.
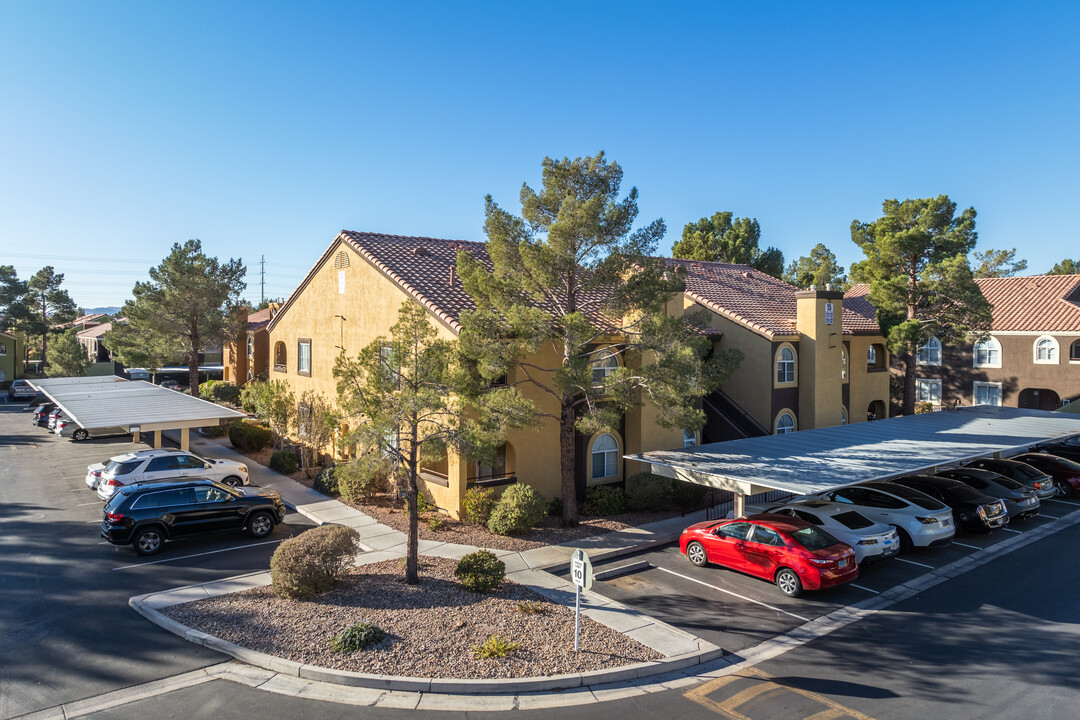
x: 1074, y: 351
x: 605, y: 457
x: 871, y: 356
x: 987, y: 353
x: 876, y: 357
x: 930, y: 353
x: 281, y: 357
x: 604, y: 363
x: 785, y: 365
x: 1046, y: 350
x: 843, y: 363
x: 250, y: 346
x: 785, y: 424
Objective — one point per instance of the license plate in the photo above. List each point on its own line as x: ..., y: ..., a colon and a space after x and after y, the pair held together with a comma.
x: 946, y: 523
x: 842, y: 563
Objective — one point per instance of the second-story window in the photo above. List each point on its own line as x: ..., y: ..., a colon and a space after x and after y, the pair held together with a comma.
x: 987, y: 353
x: 1046, y: 350
x: 785, y: 365
x: 603, y: 364
x: 303, y: 356
x: 930, y: 353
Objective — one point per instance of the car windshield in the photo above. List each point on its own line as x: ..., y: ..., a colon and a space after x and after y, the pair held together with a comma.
x: 916, y: 498
x: 853, y: 520
x: 813, y: 538
x: 122, y: 468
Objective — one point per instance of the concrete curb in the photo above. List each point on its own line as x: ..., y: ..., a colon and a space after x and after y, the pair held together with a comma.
x: 456, y: 686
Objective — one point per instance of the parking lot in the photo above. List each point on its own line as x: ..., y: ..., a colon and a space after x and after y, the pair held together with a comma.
x: 736, y: 611
x: 66, y: 589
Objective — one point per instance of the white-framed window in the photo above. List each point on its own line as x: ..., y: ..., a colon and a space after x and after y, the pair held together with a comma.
x: 1046, y: 350
x: 843, y: 416
x: 785, y: 365
x: 689, y: 437
x: 3, y: 348
x: 605, y: 457
x: 987, y: 353
x: 3, y: 375
x: 928, y: 390
x: 930, y: 353
x: 987, y: 393
x: 604, y: 363
x: 843, y: 363
x: 1074, y: 351
x: 785, y: 424
x: 828, y: 313
x: 250, y: 346
x: 871, y: 356
x: 303, y: 356
x: 341, y: 282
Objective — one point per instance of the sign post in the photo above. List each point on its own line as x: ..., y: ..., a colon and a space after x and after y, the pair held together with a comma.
x: 581, y: 573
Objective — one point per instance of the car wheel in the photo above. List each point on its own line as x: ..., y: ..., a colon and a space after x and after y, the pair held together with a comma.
x: 260, y: 525
x: 232, y: 481
x: 789, y: 583
x: 695, y: 553
x: 148, y: 540
x: 80, y: 435
x: 905, y: 540
x: 1064, y: 488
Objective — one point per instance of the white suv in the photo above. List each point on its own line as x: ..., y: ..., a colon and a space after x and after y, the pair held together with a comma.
x: 147, y: 465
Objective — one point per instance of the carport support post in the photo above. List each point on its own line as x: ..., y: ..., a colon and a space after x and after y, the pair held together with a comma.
x: 184, y: 438
x: 740, y: 504
x: 157, y: 439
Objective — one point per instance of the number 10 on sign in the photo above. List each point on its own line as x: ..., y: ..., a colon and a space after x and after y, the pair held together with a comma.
x: 582, y: 576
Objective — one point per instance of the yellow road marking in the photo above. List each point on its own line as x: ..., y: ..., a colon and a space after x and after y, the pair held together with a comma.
x: 767, y: 684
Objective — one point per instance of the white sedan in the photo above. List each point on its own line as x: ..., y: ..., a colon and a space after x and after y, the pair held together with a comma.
x: 870, y: 540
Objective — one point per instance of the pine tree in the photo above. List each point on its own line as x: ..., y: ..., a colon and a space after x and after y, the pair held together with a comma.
x: 819, y: 268
x: 67, y: 357
x: 721, y: 238
x: 46, y: 307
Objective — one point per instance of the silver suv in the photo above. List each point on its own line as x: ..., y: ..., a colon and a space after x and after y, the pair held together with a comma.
x: 160, y: 464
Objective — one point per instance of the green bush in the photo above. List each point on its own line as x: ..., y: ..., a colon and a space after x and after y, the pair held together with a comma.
x: 249, y: 437
x: 477, y: 504
x: 435, y: 523
x: 533, y: 607
x: 646, y: 491
x: 326, y: 482
x: 518, y: 510
x: 358, y: 636
x: 554, y: 508
x: 495, y: 646
x: 220, y: 392
x: 311, y: 563
x: 423, y: 505
x: 213, y: 431
x: 361, y: 479
x: 604, y: 500
x: 284, y: 462
x: 480, y: 571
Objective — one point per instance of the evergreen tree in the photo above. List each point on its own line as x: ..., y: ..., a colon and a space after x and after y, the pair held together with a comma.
x: 67, y: 357
x: 403, y: 397
x: 721, y: 238
x: 998, y: 264
x: 187, y: 305
x: 1065, y: 267
x: 819, y: 268
x: 45, y: 307
x: 573, y: 285
x: 920, y: 281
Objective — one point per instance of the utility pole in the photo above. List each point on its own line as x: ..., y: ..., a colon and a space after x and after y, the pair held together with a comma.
x: 262, y: 279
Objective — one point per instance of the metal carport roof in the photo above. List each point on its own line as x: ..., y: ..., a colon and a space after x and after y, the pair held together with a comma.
x: 814, y: 460
x: 105, y: 402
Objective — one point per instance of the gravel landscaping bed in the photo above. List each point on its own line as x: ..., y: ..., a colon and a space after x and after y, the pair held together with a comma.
x: 431, y: 628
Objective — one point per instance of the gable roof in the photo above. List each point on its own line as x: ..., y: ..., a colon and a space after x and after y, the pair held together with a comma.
x: 259, y: 319
x: 755, y: 299
x: 95, y: 331
x: 1032, y: 303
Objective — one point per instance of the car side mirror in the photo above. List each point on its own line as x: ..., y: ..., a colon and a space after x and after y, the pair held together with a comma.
x: 206, y: 466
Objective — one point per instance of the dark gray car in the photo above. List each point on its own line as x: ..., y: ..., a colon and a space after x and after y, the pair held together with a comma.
x: 1020, y: 500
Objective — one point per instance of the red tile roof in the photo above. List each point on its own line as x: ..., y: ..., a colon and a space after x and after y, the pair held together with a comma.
x: 95, y: 331
x: 259, y: 319
x: 1036, y: 303
x: 757, y: 300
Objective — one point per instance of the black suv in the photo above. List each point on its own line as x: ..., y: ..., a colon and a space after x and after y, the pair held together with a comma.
x: 147, y: 514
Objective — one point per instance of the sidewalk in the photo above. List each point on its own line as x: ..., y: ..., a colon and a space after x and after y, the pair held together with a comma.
x: 532, y: 568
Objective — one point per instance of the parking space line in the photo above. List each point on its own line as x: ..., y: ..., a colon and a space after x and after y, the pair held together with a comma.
x: 94, y: 502
x: 1063, y: 502
x: 973, y: 547
x: 209, y: 552
x: 1048, y: 517
x: 860, y: 587
x: 912, y: 562
x: 1018, y: 532
x: 735, y: 594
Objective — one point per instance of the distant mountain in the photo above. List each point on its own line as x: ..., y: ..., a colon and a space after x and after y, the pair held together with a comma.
x: 111, y: 310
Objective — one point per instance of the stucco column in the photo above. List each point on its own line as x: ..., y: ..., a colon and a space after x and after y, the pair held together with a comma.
x: 740, y: 504
x: 184, y: 438
x: 457, y: 478
x: 157, y: 439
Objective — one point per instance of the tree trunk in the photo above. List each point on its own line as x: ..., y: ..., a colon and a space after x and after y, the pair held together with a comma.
x: 412, y: 559
x: 193, y: 367
x: 44, y: 335
x: 908, y: 405
x: 566, y: 466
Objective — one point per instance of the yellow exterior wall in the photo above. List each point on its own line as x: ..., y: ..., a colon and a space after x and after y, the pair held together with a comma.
x: 820, y: 383
x: 865, y: 387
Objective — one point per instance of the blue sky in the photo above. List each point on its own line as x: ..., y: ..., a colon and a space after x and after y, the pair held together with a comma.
x: 264, y: 128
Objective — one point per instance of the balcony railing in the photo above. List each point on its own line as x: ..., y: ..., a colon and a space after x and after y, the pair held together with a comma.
x: 491, y: 480
x: 434, y: 476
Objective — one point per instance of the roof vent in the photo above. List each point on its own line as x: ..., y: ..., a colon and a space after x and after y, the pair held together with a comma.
x: 421, y: 251
x: 747, y: 274
x: 451, y: 276
x: 341, y: 260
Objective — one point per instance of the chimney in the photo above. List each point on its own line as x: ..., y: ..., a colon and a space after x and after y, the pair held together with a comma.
x: 451, y: 283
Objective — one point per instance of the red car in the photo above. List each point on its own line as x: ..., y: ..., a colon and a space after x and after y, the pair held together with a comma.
x: 791, y: 552
x: 1066, y: 473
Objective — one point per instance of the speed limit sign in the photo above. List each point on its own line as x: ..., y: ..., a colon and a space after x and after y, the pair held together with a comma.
x: 581, y: 573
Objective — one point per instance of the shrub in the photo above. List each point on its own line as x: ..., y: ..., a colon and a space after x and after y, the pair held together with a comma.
x: 477, y: 504
x: 249, y: 437
x: 326, y: 482
x: 924, y: 407
x: 362, y: 478
x: 645, y: 491
x: 533, y: 607
x: 688, y: 495
x: 423, y: 505
x: 554, y: 508
x: 310, y: 563
x: 518, y: 510
x: 358, y: 636
x: 220, y: 392
x: 284, y: 462
x: 495, y: 646
x: 434, y: 523
x: 480, y: 571
x: 604, y: 500
x: 213, y: 431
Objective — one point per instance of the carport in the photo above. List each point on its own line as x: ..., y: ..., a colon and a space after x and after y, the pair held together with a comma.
x: 812, y: 461
x: 134, y: 405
